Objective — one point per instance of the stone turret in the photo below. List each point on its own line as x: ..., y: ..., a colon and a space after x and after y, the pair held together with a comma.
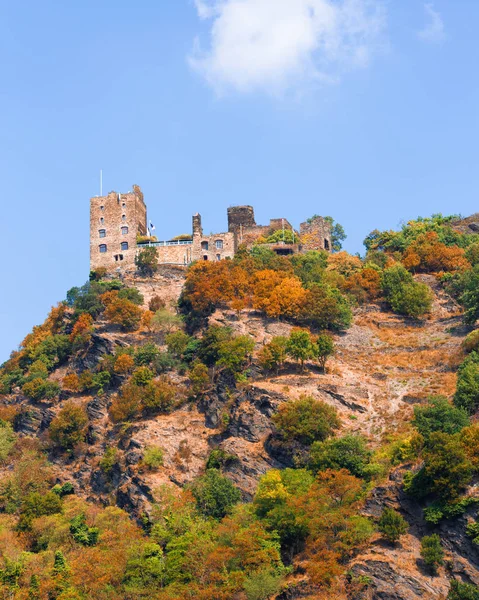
x: 240, y: 217
x: 197, y: 227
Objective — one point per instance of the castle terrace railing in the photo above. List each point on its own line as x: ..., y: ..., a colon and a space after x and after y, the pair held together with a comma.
x: 170, y: 243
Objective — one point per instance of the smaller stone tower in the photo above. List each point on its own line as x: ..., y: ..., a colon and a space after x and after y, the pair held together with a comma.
x: 240, y: 217
x: 316, y: 234
x: 115, y: 221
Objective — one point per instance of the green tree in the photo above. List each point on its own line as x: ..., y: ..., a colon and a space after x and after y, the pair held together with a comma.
x: 215, y: 495
x: 177, y: 343
x: 146, y: 261
x: 326, y: 308
x: 338, y: 235
x: 470, y: 295
x: 235, y: 354
x: 467, y: 387
x: 300, y: 346
x: 392, y: 525
x: 348, y: 452
x: 306, y: 420
x: 439, y: 415
x: 431, y: 551
x: 323, y: 348
x: 272, y: 355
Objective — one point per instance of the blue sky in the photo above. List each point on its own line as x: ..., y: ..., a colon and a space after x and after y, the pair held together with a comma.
x: 366, y: 110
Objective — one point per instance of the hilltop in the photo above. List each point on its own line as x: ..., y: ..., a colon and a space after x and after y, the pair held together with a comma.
x: 252, y: 419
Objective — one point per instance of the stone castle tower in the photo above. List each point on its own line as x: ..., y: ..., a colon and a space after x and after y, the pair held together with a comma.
x: 115, y: 221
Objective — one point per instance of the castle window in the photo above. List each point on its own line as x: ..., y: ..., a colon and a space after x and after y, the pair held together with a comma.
x: 124, y: 231
x: 326, y: 244
x: 204, y: 245
x: 102, y: 233
x: 124, y: 245
x: 218, y: 257
x: 102, y: 248
x: 205, y: 257
x: 123, y: 217
x: 102, y: 221
x: 219, y: 244
x: 102, y: 207
x: 123, y: 205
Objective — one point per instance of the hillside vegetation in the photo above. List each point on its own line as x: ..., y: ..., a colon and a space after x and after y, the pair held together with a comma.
x: 262, y: 427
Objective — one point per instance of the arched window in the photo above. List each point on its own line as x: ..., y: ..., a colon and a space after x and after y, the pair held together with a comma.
x: 102, y: 248
x: 102, y: 207
x: 102, y: 233
x: 204, y: 245
x: 124, y: 245
x: 218, y: 257
x: 219, y: 244
x: 123, y: 217
x: 326, y: 244
x: 124, y: 231
x: 123, y: 205
x: 102, y: 220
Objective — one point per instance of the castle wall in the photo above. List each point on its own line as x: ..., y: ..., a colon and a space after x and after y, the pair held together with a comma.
x: 115, y: 220
x: 316, y: 235
x: 217, y: 246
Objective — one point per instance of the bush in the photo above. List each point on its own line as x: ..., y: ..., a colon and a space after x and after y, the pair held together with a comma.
x: 69, y: 427
x: 36, y: 505
x: 146, y: 261
x: 71, y: 382
x: 199, y: 378
x: 392, y: 525
x: 467, y: 387
x: 349, y: 452
x: 219, y: 458
x: 326, y: 308
x: 124, y: 313
x: 165, y: 321
x: 463, y: 591
x: 132, y: 294
x: 404, y: 295
x: 271, y: 357
x: 7, y: 440
x: 82, y: 332
x: 306, y: 420
x: 145, y: 355
x: 39, y: 389
x: 215, y: 495
x: 431, y: 551
x: 159, y: 395
x: 439, y: 415
x: 109, y: 460
x: 142, y: 376
x: 471, y: 342
x: 177, y: 343
x: 156, y: 303
x: 124, y: 364
x: 262, y: 585
x: 81, y: 533
x: 236, y: 353
x: 153, y: 457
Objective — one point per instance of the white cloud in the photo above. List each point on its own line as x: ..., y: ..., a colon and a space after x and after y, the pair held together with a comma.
x: 279, y: 45
x: 433, y: 32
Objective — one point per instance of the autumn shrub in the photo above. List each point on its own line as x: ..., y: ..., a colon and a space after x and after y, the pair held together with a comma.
x: 427, y: 253
x: 127, y: 404
x: 306, y: 420
x: 124, y: 313
x: 69, y: 427
x: 71, y: 383
x: 156, y: 303
x: 364, y: 285
x: 165, y: 321
x: 199, y: 378
x: 124, y: 364
x: 82, y: 331
x: 159, y: 395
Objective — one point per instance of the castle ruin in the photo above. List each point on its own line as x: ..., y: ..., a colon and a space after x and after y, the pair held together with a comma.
x: 119, y: 230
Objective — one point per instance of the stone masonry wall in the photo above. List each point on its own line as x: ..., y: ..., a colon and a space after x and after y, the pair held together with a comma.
x: 115, y: 220
x: 315, y: 235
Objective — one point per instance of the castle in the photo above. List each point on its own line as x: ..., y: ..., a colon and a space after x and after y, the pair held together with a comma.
x: 119, y: 230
